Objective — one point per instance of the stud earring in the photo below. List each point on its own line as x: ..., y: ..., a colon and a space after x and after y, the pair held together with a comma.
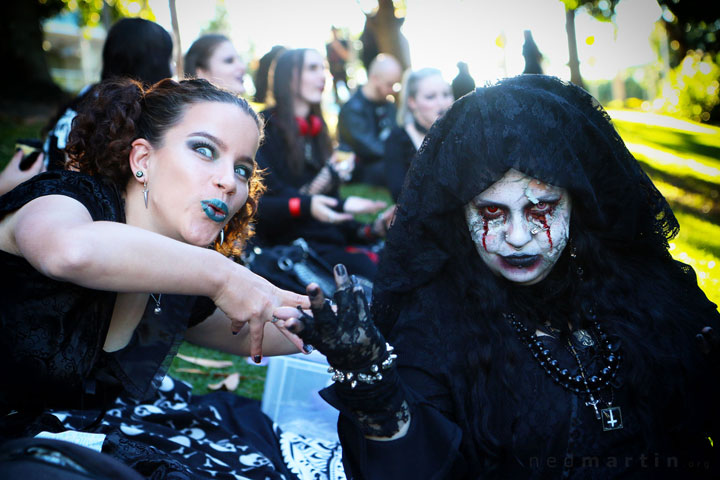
x: 139, y: 174
x: 145, y: 193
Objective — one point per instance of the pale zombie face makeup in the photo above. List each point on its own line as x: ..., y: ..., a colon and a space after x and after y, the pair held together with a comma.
x: 520, y: 226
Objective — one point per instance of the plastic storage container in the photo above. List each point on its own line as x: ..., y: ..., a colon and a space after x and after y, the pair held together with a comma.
x: 291, y: 396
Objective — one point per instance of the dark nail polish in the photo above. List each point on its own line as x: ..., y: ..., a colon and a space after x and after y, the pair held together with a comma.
x: 235, y: 333
x: 257, y: 358
x: 340, y: 270
x: 308, y: 348
x: 314, y: 291
x: 18, y: 149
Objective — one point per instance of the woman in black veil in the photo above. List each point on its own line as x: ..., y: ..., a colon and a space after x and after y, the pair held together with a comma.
x: 540, y: 327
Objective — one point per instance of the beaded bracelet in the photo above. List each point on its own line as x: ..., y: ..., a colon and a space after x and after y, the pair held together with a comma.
x: 371, y: 375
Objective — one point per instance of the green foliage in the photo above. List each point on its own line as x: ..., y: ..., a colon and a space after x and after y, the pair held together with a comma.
x: 220, y: 23
x: 692, y: 87
x: 91, y: 12
x: 602, y: 10
x: 12, y: 130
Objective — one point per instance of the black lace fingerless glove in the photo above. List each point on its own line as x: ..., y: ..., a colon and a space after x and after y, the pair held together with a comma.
x: 362, y: 363
x: 349, y: 338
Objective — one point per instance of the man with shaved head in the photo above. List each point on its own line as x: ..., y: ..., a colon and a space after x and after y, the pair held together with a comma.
x: 368, y: 116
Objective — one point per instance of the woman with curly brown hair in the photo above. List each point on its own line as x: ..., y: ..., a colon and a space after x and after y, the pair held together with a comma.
x: 106, y: 268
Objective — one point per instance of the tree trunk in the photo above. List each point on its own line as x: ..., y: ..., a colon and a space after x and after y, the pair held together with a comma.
x: 177, y: 44
x: 573, y: 62
x: 27, y: 76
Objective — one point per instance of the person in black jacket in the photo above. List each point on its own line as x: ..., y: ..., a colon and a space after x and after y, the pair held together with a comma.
x: 367, y: 117
x: 540, y: 327
x: 301, y: 174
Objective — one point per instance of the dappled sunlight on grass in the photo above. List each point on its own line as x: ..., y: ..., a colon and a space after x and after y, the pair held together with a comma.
x: 698, y: 245
x: 683, y: 159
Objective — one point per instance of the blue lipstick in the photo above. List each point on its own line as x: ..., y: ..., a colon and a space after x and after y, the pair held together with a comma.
x: 215, y: 209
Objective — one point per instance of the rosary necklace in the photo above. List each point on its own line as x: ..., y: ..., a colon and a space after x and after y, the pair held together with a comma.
x: 611, y: 416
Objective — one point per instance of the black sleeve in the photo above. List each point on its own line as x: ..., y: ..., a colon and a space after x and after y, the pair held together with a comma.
x: 358, y: 132
x: 398, y: 153
x: 99, y: 197
x: 274, y: 207
x: 431, y: 447
x: 201, y: 310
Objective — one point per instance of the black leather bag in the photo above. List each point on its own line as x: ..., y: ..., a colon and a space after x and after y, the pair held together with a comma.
x: 43, y: 458
x: 291, y: 267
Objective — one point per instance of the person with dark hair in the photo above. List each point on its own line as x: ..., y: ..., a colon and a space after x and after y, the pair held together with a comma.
x: 214, y: 58
x: 425, y: 97
x: 302, y: 175
x: 463, y: 83
x: 134, y: 48
x: 107, y: 266
x: 139, y: 49
x: 532, y: 55
x: 539, y: 326
x: 262, y: 78
x: 367, y: 118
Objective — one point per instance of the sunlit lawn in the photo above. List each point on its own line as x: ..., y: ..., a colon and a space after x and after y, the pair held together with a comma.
x: 682, y: 158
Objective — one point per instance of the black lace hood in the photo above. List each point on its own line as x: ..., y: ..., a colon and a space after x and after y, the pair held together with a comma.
x: 543, y: 127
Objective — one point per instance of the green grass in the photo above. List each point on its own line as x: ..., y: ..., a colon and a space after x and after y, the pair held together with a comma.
x: 12, y: 130
x: 252, y: 377
x: 683, y: 160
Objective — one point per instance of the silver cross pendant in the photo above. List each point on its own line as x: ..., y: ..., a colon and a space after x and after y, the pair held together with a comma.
x: 611, y: 418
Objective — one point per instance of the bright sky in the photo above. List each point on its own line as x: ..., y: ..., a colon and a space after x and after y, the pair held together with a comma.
x: 441, y: 33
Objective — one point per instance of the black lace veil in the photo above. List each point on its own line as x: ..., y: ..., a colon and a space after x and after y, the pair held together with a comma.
x: 543, y: 127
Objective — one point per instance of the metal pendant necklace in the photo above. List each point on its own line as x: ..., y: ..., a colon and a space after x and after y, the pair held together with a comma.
x: 157, y: 299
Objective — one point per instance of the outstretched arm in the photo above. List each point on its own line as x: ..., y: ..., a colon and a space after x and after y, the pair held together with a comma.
x: 383, y: 417
x: 57, y: 235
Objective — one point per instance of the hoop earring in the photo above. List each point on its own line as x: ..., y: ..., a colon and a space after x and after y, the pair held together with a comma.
x: 145, y: 193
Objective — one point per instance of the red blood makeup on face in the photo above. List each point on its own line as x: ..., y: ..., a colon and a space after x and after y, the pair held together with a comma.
x: 504, y: 220
x: 485, y: 231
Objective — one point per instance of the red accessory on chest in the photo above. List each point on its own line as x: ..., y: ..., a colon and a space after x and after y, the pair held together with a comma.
x: 309, y: 127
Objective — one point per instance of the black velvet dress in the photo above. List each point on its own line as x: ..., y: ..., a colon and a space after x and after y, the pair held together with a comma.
x: 56, y: 377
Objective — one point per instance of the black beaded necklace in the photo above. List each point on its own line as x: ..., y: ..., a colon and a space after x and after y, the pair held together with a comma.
x: 611, y: 416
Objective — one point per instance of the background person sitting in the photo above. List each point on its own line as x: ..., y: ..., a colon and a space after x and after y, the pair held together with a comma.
x: 366, y: 119
x: 302, y: 198
x: 134, y: 48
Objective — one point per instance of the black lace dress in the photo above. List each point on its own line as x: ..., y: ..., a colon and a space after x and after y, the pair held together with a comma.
x: 481, y: 405
x: 56, y: 376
